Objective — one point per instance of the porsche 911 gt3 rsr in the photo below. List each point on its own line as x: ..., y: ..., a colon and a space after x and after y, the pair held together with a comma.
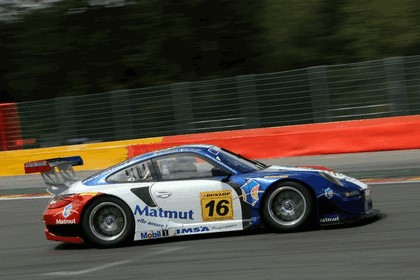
x: 191, y: 190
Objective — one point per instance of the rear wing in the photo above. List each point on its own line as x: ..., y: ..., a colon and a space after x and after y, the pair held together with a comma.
x: 58, y: 173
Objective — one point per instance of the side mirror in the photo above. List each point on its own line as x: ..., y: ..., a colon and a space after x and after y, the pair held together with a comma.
x: 215, y: 172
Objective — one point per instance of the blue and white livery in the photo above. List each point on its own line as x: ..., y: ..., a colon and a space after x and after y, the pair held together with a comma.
x: 200, y: 189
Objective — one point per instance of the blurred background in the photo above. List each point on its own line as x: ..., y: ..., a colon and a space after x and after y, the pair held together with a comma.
x: 77, y: 71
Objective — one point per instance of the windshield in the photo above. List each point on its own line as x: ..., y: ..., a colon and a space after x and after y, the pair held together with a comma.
x: 237, y: 162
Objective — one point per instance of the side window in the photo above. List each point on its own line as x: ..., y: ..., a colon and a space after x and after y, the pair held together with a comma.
x: 183, y: 166
x: 140, y: 172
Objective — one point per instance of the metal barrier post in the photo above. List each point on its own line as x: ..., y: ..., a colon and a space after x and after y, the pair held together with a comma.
x: 121, y: 115
x: 248, y: 102
x: 66, y: 121
x: 318, y: 83
x: 397, y: 93
x: 181, y: 100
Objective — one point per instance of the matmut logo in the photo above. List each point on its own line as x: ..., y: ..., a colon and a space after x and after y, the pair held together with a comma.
x: 65, y: 222
x: 146, y: 211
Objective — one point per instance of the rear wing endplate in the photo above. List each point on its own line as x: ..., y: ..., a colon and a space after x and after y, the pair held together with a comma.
x: 58, y: 173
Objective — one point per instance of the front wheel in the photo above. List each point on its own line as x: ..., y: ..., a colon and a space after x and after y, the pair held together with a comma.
x: 108, y: 222
x: 287, y: 206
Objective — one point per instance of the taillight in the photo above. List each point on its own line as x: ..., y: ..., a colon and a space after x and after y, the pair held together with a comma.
x: 62, y: 200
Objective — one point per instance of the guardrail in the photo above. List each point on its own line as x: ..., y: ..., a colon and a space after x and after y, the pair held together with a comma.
x: 372, y: 89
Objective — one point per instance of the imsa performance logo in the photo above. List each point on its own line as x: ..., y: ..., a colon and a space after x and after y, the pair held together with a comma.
x: 192, y: 230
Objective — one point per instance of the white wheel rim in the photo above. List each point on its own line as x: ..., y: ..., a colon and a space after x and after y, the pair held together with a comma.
x: 287, y: 206
x: 107, y: 221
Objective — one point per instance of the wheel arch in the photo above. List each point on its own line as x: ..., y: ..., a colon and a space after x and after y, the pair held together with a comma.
x: 304, y: 184
x: 99, y: 196
x: 93, y: 200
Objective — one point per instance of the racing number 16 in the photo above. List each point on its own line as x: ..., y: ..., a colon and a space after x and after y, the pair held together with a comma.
x: 222, y: 207
x: 216, y: 205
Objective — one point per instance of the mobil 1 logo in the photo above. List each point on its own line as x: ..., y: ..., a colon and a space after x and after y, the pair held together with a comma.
x: 154, y: 234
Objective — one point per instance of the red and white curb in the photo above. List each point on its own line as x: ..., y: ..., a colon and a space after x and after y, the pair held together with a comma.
x: 391, y: 180
x: 25, y: 196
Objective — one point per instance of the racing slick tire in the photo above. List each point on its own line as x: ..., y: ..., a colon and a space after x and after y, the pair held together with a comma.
x: 287, y: 207
x: 108, y: 222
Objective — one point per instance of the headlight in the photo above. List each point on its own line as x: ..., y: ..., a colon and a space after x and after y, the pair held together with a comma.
x: 331, y: 178
x: 352, y: 193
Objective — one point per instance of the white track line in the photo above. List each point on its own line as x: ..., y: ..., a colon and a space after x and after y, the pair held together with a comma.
x: 105, y: 266
x: 85, y: 271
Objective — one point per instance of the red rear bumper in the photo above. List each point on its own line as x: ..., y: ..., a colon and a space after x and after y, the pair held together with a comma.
x: 62, y: 220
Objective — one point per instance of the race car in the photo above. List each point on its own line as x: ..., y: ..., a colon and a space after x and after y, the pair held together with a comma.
x: 193, y: 189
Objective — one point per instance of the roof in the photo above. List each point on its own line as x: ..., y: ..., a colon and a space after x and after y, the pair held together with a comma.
x: 176, y: 149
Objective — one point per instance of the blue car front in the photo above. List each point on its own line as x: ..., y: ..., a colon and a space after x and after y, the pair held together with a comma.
x: 338, y: 198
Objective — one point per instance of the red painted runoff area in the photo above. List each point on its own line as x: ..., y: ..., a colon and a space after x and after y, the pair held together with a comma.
x: 382, y: 134
x: 10, y: 134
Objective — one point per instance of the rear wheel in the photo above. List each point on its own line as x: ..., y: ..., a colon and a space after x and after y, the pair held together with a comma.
x: 287, y: 206
x: 108, y: 222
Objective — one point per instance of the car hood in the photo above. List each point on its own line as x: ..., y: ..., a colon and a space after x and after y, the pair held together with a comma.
x: 313, y: 170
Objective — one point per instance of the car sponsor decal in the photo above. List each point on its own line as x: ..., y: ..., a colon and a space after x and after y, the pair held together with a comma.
x: 192, y: 230
x: 216, y: 205
x: 325, y: 220
x: 248, y: 212
x: 67, y: 211
x: 37, y: 166
x: 151, y: 223
x: 276, y: 176
x: 65, y: 222
x: 154, y: 234
x: 161, y: 213
x: 250, y: 192
x: 329, y: 193
x: 224, y: 226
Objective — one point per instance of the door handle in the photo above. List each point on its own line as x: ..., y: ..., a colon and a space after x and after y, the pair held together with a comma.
x: 163, y: 194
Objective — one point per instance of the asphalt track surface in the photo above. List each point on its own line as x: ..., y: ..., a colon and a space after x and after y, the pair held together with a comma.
x: 387, y: 248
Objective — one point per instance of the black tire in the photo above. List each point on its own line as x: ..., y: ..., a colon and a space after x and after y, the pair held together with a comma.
x: 108, y: 222
x: 287, y: 207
